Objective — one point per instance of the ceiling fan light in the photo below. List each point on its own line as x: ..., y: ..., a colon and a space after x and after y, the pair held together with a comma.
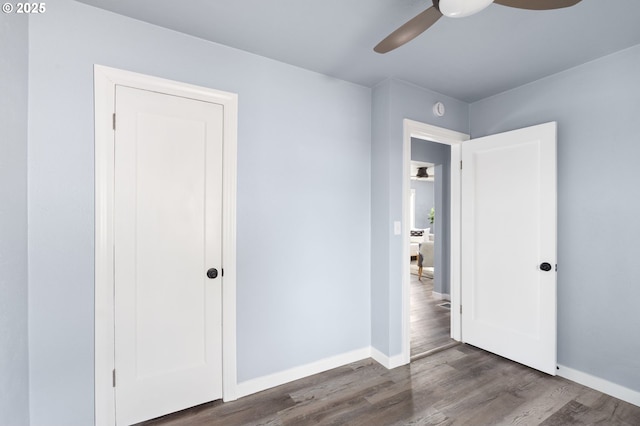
x: 462, y: 8
x: 422, y: 172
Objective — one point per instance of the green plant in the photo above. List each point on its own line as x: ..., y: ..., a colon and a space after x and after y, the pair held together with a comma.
x: 432, y: 215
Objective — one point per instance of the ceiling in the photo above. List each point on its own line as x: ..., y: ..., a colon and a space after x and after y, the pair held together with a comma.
x: 469, y: 59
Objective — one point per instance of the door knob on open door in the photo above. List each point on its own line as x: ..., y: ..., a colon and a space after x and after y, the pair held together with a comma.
x: 545, y: 266
x: 212, y: 273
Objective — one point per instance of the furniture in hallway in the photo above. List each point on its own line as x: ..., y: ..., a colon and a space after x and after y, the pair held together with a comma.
x: 417, y: 237
x: 425, y: 259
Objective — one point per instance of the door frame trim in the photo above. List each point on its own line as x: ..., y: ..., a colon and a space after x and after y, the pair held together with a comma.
x: 416, y: 129
x: 105, y: 81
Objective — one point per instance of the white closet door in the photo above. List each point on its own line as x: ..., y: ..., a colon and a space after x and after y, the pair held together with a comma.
x: 168, y: 189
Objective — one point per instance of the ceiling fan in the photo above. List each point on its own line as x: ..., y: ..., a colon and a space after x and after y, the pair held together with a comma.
x: 457, y: 9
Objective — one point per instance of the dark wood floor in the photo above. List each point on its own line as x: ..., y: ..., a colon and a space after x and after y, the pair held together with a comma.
x: 458, y: 386
x: 430, y: 323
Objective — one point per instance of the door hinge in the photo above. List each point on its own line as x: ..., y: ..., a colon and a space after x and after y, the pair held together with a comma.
x: 113, y: 377
x: 556, y: 267
x: 114, y: 121
x: 460, y: 164
x: 222, y: 271
x: 460, y: 309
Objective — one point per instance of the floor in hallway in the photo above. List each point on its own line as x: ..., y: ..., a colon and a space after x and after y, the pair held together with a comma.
x: 430, y: 322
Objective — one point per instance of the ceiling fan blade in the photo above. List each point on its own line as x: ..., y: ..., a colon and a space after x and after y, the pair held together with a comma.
x: 409, y: 31
x: 538, y: 4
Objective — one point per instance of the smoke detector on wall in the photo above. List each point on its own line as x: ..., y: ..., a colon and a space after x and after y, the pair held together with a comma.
x: 438, y: 109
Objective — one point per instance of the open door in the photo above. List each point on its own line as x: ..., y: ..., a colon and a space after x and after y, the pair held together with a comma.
x: 509, y: 245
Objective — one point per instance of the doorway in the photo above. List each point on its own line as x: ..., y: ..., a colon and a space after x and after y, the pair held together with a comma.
x: 421, y: 131
x: 527, y: 156
x: 107, y: 83
x: 429, y: 248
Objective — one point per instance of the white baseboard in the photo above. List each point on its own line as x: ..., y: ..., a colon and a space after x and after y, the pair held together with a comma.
x: 602, y: 385
x: 276, y: 379
x: 387, y: 361
x: 441, y: 296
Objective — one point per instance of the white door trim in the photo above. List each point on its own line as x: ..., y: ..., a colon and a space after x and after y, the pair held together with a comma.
x: 415, y: 129
x: 105, y: 81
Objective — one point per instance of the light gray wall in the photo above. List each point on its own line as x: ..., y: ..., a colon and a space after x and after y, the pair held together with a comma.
x: 424, y: 201
x: 394, y: 101
x: 303, y: 200
x: 597, y: 106
x: 440, y: 155
x: 381, y: 227
x: 14, y: 373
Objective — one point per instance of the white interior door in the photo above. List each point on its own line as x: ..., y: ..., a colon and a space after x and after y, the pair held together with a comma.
x: 508, y: 240
x: 167, y: 221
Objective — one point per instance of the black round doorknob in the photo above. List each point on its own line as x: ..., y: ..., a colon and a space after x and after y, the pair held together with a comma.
x: 212, y: 273
x: 545, y: 266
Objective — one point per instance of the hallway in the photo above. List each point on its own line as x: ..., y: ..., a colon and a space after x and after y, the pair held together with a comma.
x: 430, y: 322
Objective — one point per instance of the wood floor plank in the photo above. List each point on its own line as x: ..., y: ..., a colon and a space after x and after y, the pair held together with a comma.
x: 430, y: 323
x: 462, y: 385
x: 574, y: 413
x: 542, y: 400
x: 618, y: 412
